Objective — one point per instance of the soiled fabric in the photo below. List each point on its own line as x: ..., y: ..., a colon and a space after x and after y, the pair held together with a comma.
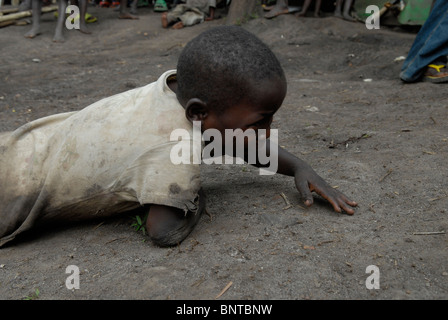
x: 203, y: 5
x: 110, y: 157
x: 192, y: 12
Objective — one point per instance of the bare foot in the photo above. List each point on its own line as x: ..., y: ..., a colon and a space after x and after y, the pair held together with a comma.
x: 300, y: 14
x: 276, y: 11
x: 348, y: 17
x: 178, y: 25
x: 128, y: 16
x: 58, y: 38
x: 338, y: 14
x: 165, y: 20
x: 32, y: 33
x: 84, y: 29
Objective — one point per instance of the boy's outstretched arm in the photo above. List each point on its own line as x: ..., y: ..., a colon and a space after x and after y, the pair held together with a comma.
x: 307, y: 181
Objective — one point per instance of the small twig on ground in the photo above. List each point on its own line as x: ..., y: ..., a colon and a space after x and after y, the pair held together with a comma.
x: 438, y: 198
x: 324, y: 242
x: 209, y: 214
x: 435, y: 122
x: 115, y: 240
x: 288, y: 204
x: 198, y: 283
x: 349, y: 140
x: 224, y: 290
x: 99, y: 225
x: 384, y: 177
x: 427, y: 233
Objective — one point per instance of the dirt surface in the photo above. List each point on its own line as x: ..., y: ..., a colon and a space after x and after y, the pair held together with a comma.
x: 381, y: 142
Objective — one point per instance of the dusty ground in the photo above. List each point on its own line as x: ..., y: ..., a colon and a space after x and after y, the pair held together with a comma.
x: 383, y: 143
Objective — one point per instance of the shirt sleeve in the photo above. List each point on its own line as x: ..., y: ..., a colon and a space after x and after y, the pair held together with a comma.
x: 156, y: 178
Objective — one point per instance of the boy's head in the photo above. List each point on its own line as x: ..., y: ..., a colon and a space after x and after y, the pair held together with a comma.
x: 227, y: 72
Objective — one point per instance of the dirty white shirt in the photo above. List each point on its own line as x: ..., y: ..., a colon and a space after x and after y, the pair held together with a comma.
x: 203, y: 5
x: 110, y: 157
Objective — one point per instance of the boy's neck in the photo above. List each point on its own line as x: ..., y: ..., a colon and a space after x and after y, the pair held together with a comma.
x: 172, y: 84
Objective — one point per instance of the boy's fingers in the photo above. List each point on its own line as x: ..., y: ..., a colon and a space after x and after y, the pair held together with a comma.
x: 309, y: 202
x: 348, y: 201
x: 339, y: 201
x: 347, y: 204
x: 349, y: 210
x: 334, y: 203
x: 305, y: 192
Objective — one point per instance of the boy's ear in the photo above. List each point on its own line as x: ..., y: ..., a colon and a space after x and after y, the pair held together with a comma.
x: 196, y: 110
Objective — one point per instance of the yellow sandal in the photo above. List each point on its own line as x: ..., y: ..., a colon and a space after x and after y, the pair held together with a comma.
x: 436, y: 74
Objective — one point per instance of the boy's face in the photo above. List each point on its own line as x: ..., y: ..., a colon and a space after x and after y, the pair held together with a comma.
x: 255, y: 114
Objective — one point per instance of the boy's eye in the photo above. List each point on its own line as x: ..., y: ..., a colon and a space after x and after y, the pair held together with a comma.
x: 262, y: 123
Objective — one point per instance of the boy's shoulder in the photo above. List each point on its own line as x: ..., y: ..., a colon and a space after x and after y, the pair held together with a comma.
x: 151, y: 108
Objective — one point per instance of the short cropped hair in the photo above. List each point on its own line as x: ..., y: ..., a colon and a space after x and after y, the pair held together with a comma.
x: 219, y: 65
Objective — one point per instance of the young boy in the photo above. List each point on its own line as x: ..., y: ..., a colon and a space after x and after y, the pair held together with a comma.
x: 114, y: 155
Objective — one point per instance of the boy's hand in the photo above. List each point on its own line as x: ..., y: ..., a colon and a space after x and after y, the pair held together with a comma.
x: 308, y: 181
